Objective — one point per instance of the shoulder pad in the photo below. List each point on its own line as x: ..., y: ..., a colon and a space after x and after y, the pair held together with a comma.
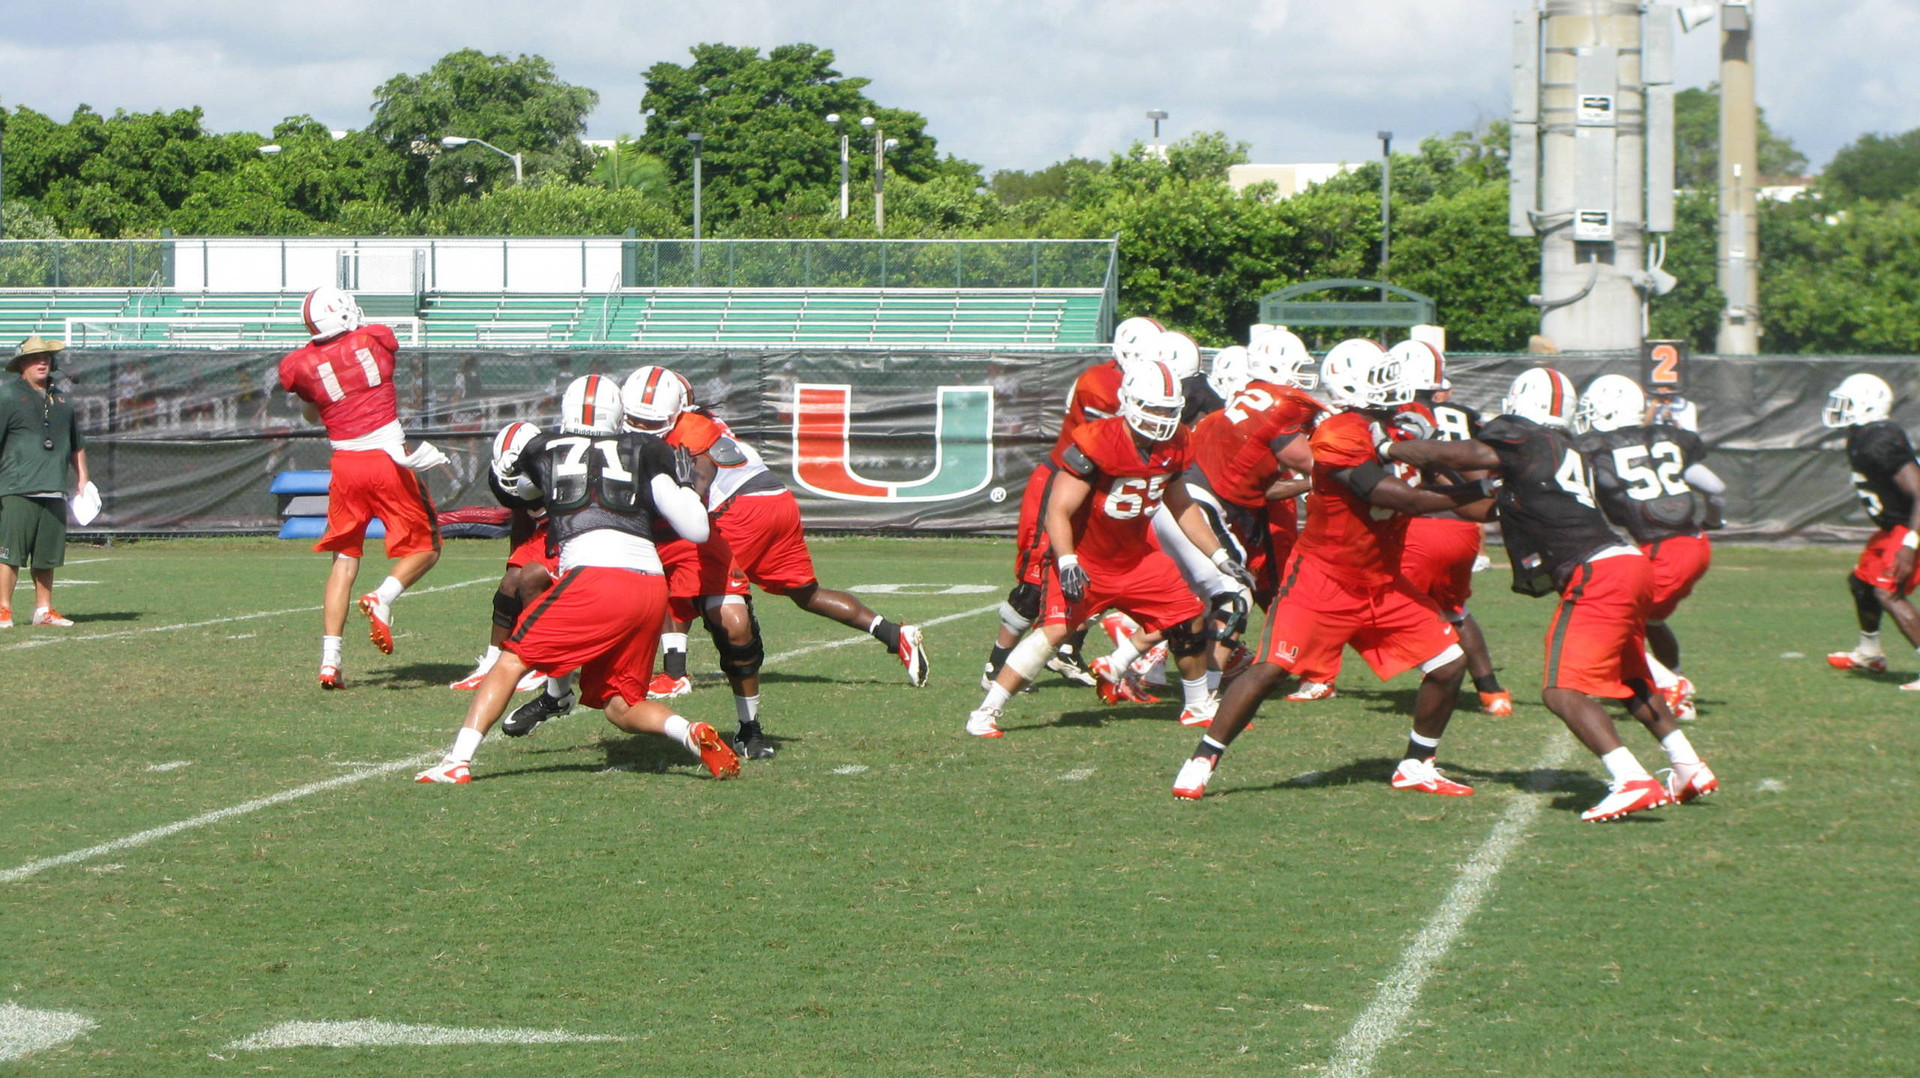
x: 726, y: 453
x: 1074, y: 459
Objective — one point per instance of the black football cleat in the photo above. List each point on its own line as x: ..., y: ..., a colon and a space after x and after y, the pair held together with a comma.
x: 751, y: 742
x: 534, y: 712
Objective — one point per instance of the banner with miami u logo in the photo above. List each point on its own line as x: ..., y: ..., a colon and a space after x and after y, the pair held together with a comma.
x: 962, y: 441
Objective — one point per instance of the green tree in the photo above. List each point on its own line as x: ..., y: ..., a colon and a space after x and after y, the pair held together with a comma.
x: 553, y: 209
x: 1012, y: 186
x: 1875, y: 167
x: 625, y: 166
x: 519, y: 105
x: 1696, y: 142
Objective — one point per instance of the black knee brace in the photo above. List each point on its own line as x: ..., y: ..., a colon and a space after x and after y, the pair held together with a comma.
x: 1866, y: 602
x: 739, y: 660
x: 506, y: 609
x: 1183, y: 641
x: 1228, y: 615
x: 1025, y: 600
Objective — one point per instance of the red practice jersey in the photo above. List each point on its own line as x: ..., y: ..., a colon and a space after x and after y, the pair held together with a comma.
x: 1095, y: 396
x: 1357, y: 543
x: 1238, y: 447
x: 350, y: 379
x: 696, y: 433
x: 1111, y: 527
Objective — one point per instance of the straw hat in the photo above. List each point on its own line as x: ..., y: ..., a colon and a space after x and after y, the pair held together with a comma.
x: 31, y: 347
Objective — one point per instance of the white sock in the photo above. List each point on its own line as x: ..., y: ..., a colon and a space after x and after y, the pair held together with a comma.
x: 560, y: 687
x: 997, y: 696
x: 1623, y: 767
x: 1424, y: 742
x: 681, y: 730
x: 1869, y: 644
x: 1679, y: 749
x: 1194, y: 693
x: 465, y: 744
x: 1213, y: 681
x: 389, y: 590
x: 1663, y: 678
x: 1123, y: 655
x: 746, y: 709
x: 673, y: 641
x: 329, y: 651
x: 40, y: 611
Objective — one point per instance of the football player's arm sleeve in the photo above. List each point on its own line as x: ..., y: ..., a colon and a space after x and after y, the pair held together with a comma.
x: 1459, y: 456
x: 680, y: 507
x: 1065, y: 495
x: 1703, y: 479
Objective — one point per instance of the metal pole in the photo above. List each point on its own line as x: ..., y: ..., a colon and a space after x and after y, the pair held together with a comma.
x: 519, y: 177
x: 843, y: 177
x: 879, y: 166
x: 1739, y: 178
x: 1386, y: 211
x: 696, y: 138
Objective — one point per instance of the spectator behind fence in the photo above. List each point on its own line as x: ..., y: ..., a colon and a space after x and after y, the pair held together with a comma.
x: 39, y: 441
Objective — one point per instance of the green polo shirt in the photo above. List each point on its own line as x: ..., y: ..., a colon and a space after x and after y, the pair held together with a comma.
x: 27, y: 419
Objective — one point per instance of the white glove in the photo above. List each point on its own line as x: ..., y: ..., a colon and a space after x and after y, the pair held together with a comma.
x: 424, y: 456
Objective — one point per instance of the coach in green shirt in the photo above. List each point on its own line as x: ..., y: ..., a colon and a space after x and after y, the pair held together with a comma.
x: 39, y: 442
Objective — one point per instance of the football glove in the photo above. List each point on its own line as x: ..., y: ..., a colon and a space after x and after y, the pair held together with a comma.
x: 1414, y: 423
x: 682, y: 466
x: 1073, y: 579
x: 1224, y: 561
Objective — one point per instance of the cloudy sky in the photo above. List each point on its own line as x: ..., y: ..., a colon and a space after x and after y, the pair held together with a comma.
x: 1005, y: 83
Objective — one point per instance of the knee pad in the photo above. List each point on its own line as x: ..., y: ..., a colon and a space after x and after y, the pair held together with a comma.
x: 740, y: 660
x: 1183, y: 641
x: 506, y: 609
x: 1030, y: 656
x: 1021, y: 607
x: 1865, y: 596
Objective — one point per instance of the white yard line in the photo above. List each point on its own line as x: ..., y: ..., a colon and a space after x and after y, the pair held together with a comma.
x: 24, y: 1032
x: 1384, y: 1018
x: 373, y: 1034
x: 69, y: 638
x: 33, y: 868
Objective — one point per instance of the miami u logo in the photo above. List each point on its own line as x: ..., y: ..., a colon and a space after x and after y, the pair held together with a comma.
x: 962, y: 456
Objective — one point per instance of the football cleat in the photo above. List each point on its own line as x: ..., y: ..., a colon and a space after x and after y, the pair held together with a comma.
x: 1634, y: 795
x: 6, y: 617
x: 380, y: 622
x: 1191, y: 783
x: 720, y: 760
x: 1688, y: 782
x: 528, y: 716
x: 1144, y: 665
x: 984, y: 722
x: 1853, y: 660
x: 531, y: 681
x: 1312, y: 690
x: 913, y: 655
x: 1679, y: 697
x: 665, y: 686
x: 1118, y: 626
x: 1499, y: 704
x: 1239, y: 662
x: 330, y: 677
x: 1068, y: 665
x: 1910, y: 686
x: 447, y: 770
x: 472, y: 681
x: 50, y: 616
x: 1122, y: 690
x: 1423, y: 776
x: 1201, y: 715
x: 751, y: 742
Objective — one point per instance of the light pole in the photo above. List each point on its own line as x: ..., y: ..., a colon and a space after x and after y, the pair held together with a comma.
x: 456, y: 141
x: 696, y: 138
x: 1386, y: 214
x: 1156, y: 115
x: 834, y: 119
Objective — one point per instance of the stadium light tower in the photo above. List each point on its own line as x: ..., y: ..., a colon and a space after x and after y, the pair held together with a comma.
x: 834, y: 119
x: 1156, y: 115
x: 452, y: 142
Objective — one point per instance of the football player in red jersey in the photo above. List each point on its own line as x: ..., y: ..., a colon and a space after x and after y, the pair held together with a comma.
x: 345, y: 380
x: 1887, y: 480
x: 1095, y: 396
x: 1342, y: 584
x: 1558, y: 541
x: 1111, y: 479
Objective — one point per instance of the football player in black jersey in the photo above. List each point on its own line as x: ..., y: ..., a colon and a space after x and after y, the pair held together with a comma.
x: 1647, y: 474
x: 1558, y: 542
x: 1888, y: 483
x: 603, y: 488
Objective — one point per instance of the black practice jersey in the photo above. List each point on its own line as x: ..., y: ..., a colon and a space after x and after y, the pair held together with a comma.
x: 1201, y: 399
x: 591, y: 482
x: 1548, y: 516
x: 1453, y: 423
x: 1876, y: 452
x: 1637, y: 471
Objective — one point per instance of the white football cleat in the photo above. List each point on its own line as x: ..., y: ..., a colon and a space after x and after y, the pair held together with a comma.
x: 1634, y: 795
x: 1312, y: 690
x: 1191, y: 783
x: 531, y: 681
x: 984, y: 722
x: 447, y: 770
x: 1422, y: 775
x: 379, y: 621
x: 472, y: 681
x: 1855, y: 660
x: 1689, y: 782
x: 913, y: 655
x: 50, y: 616
x: 1202, y: 713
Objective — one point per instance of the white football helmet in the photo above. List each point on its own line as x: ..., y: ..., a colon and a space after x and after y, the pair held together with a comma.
x: 1425, y: 369
x: 508, y: 444
x: 654, y: 397
x: 1612, y: 401
x: 1151, y: 400
x: 1133, y: 340
x: 329, y: 312
x: 1360, y: 374
x: 1545, y: 396
x: 591, y: 405
x: 1178, y: 351
x: 1228, y: 375
x: 1859, y: 398
x: 1279, y: 357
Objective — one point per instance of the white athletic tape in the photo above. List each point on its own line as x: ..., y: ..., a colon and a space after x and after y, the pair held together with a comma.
x: 69, y: 638
x: 1383, y: 1019
x: 24, y: 1032
x: 372, y: 1034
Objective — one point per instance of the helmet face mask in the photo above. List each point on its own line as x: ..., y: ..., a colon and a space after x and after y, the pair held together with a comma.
x: 1544, y: 396
x: 329, y: 312
x: 1359, y: 374
x: 1151, y: 400
x: 1611, y: 402
x: 1280, y: 357
x: 591, y: 405
x: 653, y: 398
x: 1858, y: 399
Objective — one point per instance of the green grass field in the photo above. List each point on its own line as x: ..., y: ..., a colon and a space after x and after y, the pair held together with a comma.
x: 890, y: 896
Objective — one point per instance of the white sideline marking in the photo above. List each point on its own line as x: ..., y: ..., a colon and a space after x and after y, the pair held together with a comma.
x: 1793, y: 655
x: 371, y: 1034
x: 72, y: 639
x: 922, y: 589
x: 1383, y: 1018
x: 1078, y: 774
x: 27, y: 582
x: 1770, y: 786
x: 32, y: 868
x: 24, y: 1032
x: 170, y: 765
x: 850, y: 769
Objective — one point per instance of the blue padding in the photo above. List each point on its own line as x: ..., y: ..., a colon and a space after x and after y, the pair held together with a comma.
x: 301, y: 483
x: 315, y: 527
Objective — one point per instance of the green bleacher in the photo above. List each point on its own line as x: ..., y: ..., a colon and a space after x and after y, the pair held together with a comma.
x: 43, y: 312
